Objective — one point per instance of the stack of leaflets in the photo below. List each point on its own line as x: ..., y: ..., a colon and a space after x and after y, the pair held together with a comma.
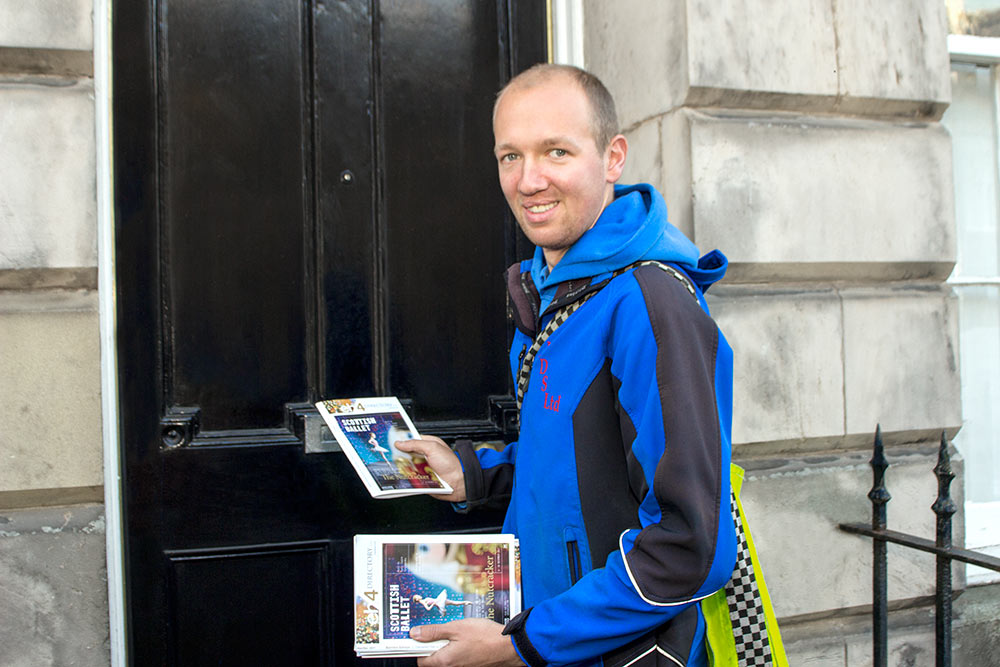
x: 368, y: 430
x: 401, y: 581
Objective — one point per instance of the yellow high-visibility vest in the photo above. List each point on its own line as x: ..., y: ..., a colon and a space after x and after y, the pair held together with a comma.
x: 741, y: 628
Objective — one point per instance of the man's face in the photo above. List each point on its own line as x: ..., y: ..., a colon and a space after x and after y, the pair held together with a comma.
x: 555, y: 179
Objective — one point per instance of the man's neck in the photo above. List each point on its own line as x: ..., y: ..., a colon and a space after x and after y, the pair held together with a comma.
x: 552, y: 257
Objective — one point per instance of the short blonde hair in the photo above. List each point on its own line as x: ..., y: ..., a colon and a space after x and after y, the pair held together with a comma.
x: 604, y: 117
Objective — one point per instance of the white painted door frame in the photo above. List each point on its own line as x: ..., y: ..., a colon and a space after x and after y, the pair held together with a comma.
x: 114, y: 534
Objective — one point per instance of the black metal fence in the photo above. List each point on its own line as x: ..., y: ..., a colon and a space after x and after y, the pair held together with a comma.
x: 942, y: 547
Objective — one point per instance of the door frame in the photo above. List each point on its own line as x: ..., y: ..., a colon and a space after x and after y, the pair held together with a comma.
x: 565, y: 39
x: 106, y: 295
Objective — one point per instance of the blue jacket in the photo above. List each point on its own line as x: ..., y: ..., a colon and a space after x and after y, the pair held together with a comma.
x: 618, y: 484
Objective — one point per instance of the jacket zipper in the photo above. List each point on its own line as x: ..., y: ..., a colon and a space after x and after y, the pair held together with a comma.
x: 573, y: 553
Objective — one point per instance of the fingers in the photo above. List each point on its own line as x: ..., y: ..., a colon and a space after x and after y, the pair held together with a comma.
x: 472, y: 642
x: 424, y: 445
x: 430, y: 633
x: 442, y: 461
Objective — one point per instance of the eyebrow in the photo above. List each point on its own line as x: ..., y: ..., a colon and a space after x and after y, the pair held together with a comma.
x: 551, y: 141
x: 555, y: 141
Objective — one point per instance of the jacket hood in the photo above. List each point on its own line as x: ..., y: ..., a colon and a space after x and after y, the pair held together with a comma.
x: 633, y: 227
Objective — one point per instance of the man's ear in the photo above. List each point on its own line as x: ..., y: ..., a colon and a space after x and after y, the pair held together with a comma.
x: 615, y: 158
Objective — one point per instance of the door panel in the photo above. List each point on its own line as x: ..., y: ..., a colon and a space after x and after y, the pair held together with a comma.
x: 441, y: 204
x: 287, y: 587
x: 348, y: 262
x: 231, y: 108
x: 306, y: 207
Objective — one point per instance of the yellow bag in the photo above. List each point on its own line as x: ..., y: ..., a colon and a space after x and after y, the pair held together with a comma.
x: 741, y: 628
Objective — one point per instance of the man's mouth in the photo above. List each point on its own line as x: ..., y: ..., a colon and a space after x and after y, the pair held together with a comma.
x: 541, y: 208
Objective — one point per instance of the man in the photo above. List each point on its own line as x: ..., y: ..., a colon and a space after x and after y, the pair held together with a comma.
x: 618, y: 484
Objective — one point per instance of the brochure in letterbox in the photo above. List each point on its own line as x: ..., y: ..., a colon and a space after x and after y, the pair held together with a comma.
x: 402, y: 581
x: 368, y: 430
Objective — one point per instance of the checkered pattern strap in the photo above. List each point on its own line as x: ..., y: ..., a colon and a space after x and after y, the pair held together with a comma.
x: 524, y: 373
x: 746, y: 609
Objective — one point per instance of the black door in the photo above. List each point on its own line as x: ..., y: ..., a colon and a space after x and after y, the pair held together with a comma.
x: 306, y: 207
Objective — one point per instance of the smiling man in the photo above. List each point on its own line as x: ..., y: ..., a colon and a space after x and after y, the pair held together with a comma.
x: 555, y: 171
x: 618, y: 485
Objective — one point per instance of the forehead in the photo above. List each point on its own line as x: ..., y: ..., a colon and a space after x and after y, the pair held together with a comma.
x: 543, y: 112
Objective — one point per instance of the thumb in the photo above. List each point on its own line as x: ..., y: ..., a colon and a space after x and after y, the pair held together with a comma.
x: 414, y: 447
x: 419, y: 446
x: 406, y: 445
x: 430, y: 633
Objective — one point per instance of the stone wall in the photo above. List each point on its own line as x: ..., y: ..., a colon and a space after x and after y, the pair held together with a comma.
x: 803, y: 140
x: 53, y: 587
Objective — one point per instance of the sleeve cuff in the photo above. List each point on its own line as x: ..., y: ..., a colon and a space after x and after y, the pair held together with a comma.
x: 523, y: 646
x: 475, y: 492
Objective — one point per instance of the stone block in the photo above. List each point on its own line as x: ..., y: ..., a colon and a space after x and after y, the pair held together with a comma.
x: 975, y: 635
x: 847, y: 640
x: 788, y: 383
x: 49, y: 24
x: 911, y: 646
x: 811, y: 567
x: 901, y: 360
x: 813, y: 366
x: 638, y: 49
x: 893, y: 58
x: 50, y: 427
x: 797, y: 198
x: 53, y: 587
x: 814, y: 55
x: 48, y: 205
x: 976, y: 627
x: 758, y: 45
x: 829, y: 653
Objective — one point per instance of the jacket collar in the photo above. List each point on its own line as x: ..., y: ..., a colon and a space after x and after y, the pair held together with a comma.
x: 523, y: 299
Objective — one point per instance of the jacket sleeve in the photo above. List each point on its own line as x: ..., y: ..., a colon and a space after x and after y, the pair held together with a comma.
x: 489, y: 475
x: 675, y: 373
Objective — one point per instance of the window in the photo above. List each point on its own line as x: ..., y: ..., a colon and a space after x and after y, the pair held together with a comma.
x: 974, y: 122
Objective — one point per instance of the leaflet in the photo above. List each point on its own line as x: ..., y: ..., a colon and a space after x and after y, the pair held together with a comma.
x: 368, y: 430
x: 402, y: 581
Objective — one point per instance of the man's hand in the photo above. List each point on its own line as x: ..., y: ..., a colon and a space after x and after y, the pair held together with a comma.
x: 442, y: 461
x: 472, y: 642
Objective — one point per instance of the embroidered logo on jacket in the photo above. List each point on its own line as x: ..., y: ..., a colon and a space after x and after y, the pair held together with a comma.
x: 550, y: 401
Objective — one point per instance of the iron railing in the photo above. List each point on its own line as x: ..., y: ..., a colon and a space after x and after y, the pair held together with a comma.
x: 942, y: 547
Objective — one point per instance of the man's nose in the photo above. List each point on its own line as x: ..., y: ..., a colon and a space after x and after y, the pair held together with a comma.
x: 533, y: 177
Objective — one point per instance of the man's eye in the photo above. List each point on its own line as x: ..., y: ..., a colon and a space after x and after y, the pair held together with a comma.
x: 558, y: 152
x: 509, y: 157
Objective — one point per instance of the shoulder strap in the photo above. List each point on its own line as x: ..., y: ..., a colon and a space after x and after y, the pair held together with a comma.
x: 561, y: 315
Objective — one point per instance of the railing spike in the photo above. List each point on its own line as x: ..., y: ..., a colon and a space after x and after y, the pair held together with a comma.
x: 944, y: 508
x: 879, y: 496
